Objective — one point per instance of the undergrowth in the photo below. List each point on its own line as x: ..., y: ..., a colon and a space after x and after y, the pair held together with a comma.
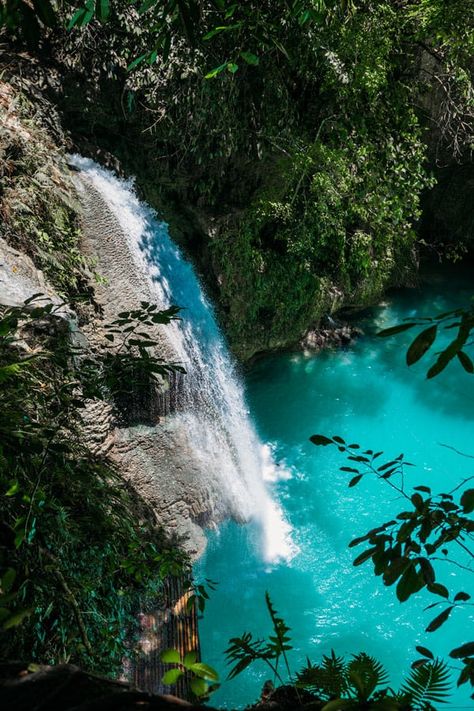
x: 39, y: 214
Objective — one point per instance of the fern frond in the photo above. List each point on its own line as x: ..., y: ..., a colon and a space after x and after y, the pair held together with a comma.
x: 242, y: 651
x: 279, y: 643
x: 366, y: 673
x: 327, y: 680
x: 429, y: 682
x: 281, y: 639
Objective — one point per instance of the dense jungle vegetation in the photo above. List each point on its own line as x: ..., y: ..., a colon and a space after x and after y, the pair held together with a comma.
x: 290, y: 143
x: 300, y: 149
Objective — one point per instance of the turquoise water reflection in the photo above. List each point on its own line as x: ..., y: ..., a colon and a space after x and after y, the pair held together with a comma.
x: 366, y: 394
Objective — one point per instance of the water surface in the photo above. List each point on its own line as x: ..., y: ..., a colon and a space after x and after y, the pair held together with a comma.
x: 366, y: 394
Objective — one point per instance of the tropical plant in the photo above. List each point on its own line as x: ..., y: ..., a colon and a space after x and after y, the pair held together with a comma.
x: 406, y: 549
x: 80, y: 552
x: 203, y: 680
x: 245, y: 650
x: 427, y: 683
x: 360, y: 683
x: 129, y: 362
x: 459, y: 321
x: 349, y: 685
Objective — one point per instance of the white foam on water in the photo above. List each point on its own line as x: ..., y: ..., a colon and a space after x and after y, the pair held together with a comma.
x: 214, y: 417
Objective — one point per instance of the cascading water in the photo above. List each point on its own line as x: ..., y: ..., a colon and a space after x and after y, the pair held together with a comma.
x: 212, y: 410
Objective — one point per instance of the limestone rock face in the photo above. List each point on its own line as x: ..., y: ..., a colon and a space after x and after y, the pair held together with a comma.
x: 19, y: 278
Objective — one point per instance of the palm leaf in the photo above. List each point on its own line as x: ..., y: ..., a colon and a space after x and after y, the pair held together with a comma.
x: 426, y: 683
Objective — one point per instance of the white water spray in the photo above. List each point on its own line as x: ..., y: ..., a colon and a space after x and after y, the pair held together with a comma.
x: 214, y: 416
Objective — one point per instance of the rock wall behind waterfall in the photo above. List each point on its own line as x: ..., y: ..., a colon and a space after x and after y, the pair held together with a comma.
x: 150, y: 451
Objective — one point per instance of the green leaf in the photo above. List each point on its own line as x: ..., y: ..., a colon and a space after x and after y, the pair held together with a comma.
x: 425, y: 652
x: 355, y: 480
x: 170, y: 656
x: 466, y: 650
x: 82, y: 16
x: 232, y: 67
x: 427, y: 683
x: 136, y: 62
x: 467, y: 501
x: 427, y: 570
x: 189, y: 659
x: 421, y: 344
x: 439, y: 620
x: 462, y: 597
x: 438, y: 589
x: 102, y: 9
x: 171, y: 676
x: 7, y: 580
x: 393, y: 330
x: 467, y: 673
x: 16, y: 619
x: 204, y: 671
x: 13, y: 489
x: 466, y: 362
x: 250, y: 58
x: 217, y: 70
x: 394, y: 570
x: 409, y: 583
x: 365, y: 556
x: 446, y: 357
x: 217, y: 30
x: 199, y: 687
x: 320, y: 440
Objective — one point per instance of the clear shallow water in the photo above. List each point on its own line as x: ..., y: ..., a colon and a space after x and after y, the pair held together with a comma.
x: 366, y: 394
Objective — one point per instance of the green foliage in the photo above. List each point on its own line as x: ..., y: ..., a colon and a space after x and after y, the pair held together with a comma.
x: 405, y: 550
x: 460, y: 320
x: 350, y: 684
x: 203, y: 680
x: 245, y: 650
x: 39, y: 216
x: 361, y: 682
x: 427, y: 683
x: 295, y: 126
x: 128, y: 363
x: 200, y: 595
x: 80, y: 553
x: 327, y: 680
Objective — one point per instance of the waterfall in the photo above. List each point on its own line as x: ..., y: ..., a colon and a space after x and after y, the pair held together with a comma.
x: 212, y: 411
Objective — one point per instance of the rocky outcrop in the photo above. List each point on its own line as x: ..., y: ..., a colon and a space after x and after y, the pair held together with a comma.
x: 20, y: 279
x: 67, y: 688
x: 331, y: 334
